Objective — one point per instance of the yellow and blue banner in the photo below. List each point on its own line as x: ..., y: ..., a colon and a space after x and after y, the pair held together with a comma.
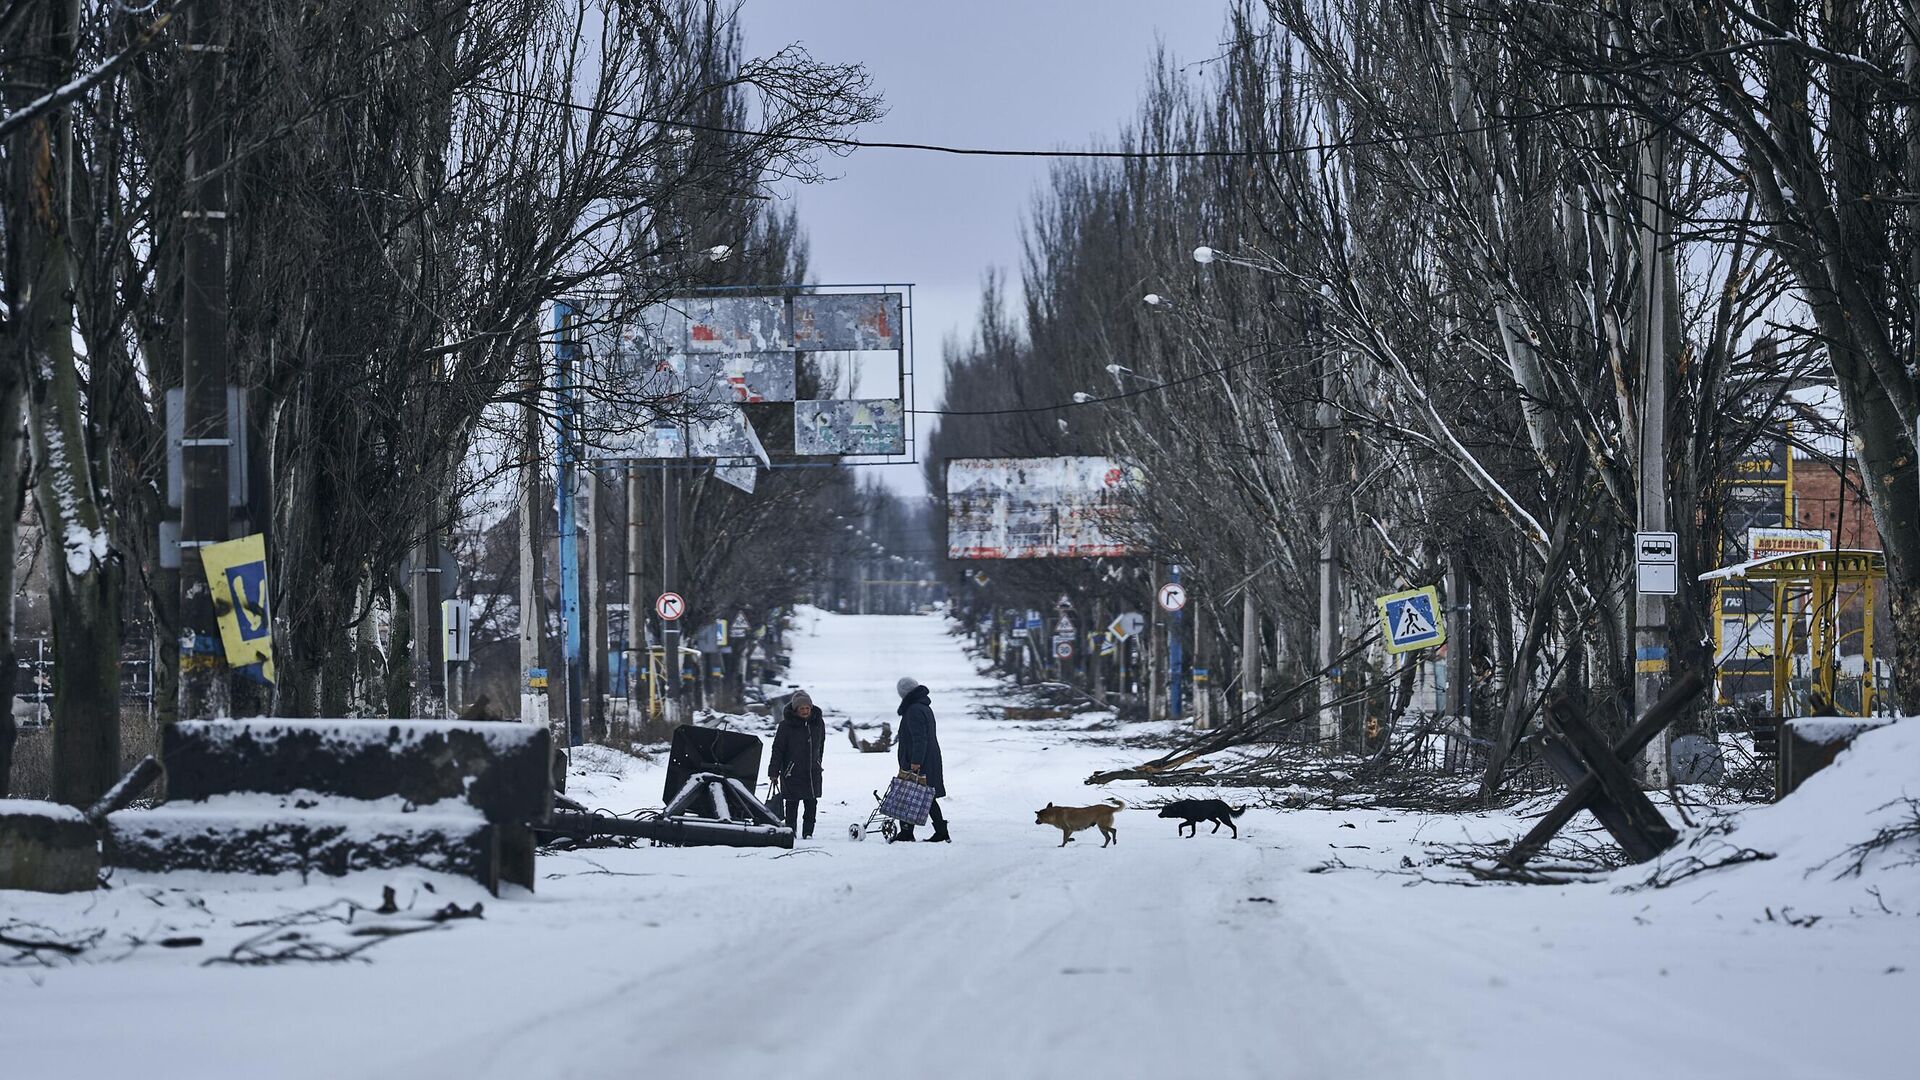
x: 237, y: 574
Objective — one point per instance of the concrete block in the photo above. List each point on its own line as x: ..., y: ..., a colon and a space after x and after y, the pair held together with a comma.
x: 46, y: 847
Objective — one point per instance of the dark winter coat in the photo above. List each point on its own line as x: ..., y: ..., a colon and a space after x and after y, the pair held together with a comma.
x: 799, y: 746
x: 919, y: 741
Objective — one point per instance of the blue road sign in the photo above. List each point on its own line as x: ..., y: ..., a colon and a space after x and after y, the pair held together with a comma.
x: 1411, y: 620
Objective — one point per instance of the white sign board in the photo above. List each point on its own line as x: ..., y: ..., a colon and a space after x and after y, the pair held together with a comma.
x: 1127, y: 625
x: 457, y: 620
x: 1657, y: 563
x: 1173, y: 596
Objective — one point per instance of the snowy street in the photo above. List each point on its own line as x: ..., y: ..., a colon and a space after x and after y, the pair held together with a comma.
x: 1000, y: 954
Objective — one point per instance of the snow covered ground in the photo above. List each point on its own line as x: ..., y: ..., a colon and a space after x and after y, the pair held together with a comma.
x: 1002, y: 955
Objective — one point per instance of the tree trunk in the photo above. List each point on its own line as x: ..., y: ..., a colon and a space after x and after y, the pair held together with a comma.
x: 85, y: 574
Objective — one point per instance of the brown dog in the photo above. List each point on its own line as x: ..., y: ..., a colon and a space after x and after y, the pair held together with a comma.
x: 1071, y: 819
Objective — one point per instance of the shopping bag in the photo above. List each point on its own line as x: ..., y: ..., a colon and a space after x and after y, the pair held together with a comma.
x: 775, y: 801
x: 908, y: 799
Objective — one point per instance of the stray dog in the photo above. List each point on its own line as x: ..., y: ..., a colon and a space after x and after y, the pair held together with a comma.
x: 1195, y: 811
x: 1071, y: 819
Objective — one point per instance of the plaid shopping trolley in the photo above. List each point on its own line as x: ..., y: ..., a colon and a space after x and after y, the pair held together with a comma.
x: 908, y: 799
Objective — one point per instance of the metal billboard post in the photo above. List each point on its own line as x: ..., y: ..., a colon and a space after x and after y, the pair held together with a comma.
x: 563, y: 351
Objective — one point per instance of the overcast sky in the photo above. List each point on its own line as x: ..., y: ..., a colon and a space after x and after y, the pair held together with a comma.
x: 1043, y: 74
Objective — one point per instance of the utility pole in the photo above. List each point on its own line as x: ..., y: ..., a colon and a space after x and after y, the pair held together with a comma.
x: 1650, y: 611
x: 1249, y: 651
x: 670, y: 628
x: 563, y: 315
x: 593, y: 662
x: 1328, y: 638
x: 636, y: 590
x: 1156, y: 699
x: 1460, y: 651
x: 532, y: 699
x: 204, y: 370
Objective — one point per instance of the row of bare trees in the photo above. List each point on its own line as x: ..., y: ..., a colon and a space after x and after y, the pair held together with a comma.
x: 409, y: 186
x: 1412, y: 274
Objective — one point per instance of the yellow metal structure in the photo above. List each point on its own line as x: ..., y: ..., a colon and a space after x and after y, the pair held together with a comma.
x: 1824, y: 580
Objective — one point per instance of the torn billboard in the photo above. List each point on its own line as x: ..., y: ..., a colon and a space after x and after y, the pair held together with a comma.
x: 846, y: 322
x: 741, y: 378
x: 732, y: 324
x: 1037, y: 508
x: 849, y: 427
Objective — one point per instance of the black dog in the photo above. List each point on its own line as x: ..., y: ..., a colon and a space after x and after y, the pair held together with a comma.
x: 1195, y: 811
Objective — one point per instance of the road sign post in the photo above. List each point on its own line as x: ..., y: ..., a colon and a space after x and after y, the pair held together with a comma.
x: 1173, y: 597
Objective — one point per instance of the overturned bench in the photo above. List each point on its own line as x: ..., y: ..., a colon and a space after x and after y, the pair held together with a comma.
x: 332, y: 796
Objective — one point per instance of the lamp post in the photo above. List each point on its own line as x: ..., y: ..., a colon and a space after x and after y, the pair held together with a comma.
x: 1329, y: 632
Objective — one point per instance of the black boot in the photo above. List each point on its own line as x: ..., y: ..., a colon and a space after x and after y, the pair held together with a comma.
x: 940, y: 834
x: 904, y: 835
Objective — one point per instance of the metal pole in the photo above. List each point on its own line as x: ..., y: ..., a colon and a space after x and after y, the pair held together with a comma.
x: 569, y: 539
x: 636, y: 602
x: 1249, y: 651
x: 1173, y: 655
x: 670, y: 628
x: 593, y: 616
x: 532, y: 700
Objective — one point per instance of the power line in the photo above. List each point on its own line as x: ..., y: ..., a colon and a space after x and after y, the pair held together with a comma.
x: 1497, y: 124
x: 1148, y: 389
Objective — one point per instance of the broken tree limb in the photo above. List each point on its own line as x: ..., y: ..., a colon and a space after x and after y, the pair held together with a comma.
x: 1545, y: 603
x: 120, y: 795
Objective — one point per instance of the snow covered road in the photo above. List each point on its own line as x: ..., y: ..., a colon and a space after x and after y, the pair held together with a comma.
x: 1000, y: 955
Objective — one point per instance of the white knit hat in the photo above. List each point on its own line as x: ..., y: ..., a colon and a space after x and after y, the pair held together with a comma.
x: 907, y: 685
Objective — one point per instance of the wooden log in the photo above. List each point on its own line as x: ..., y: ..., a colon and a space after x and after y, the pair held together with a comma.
x: 128, y: 789
x: 1662, y: 713
x: 502, y: 770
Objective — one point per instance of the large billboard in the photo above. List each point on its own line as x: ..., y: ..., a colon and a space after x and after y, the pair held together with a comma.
x: 664, y: 380
x: 1037, y: 508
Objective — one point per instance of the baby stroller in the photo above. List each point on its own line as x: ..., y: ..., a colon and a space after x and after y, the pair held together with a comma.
x: 876, y: 822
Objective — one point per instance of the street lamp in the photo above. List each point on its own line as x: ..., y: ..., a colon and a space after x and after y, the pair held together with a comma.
x: 1154, y: 299
x: 1203, y: 254
x: 1081, y: 397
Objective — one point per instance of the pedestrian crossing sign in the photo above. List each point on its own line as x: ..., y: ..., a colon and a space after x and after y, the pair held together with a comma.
x: 1411, y: 620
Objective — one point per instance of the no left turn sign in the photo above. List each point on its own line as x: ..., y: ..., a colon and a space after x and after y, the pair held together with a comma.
x: 1173, y: 596
x: 670, y: 606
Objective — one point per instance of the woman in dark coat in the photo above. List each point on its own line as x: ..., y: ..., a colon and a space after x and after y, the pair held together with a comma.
x: 799, y: 746
x: 920, y: 751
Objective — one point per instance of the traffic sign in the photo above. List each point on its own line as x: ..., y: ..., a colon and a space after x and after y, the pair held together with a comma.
x: 1033, y: 619
x: 1657, y: 563
x: 1063, y: 649
x: 1411, y: 620
x: 1173, y: 596
x: 1127, y: 624
x: 670, y: 606
x: 456, y: 620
